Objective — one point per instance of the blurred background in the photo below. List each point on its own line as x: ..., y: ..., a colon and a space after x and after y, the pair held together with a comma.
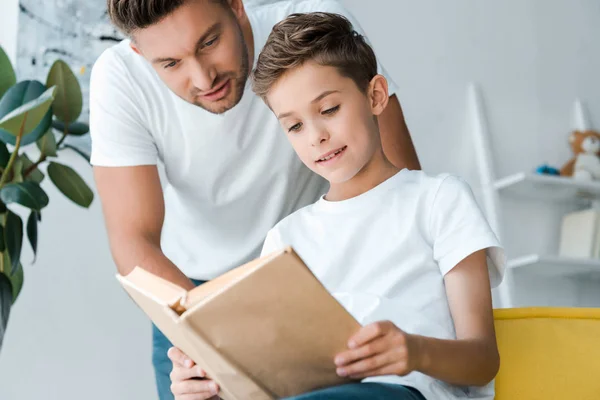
x: 491, y: 91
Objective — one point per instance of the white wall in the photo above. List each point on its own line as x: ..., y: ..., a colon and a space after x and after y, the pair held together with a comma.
x: 8, y: 27
x: 73, y: 334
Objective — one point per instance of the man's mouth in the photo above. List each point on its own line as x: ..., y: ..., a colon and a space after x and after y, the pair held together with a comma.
x: 331, y: 155
x: 221, y: 91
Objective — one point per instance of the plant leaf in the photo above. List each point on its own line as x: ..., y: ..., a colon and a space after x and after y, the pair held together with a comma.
x: 2, y: 243
x: 32, y: 232
x: 28, y: 194
x: 75, y: 128
x: 16, y: 279
x: 76, y: 150
x: 15, y: 97
x: 33, y: 112
x: 36, y: 175
x: 13, y: 236
x: 70, y: 184
x: 69, y: 101
x: 7, y: 74
x: 4, y: 155
x: 47, y: 144
x: 6, y: 300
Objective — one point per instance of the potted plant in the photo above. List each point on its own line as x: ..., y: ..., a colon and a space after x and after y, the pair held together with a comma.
x: 32, y: 112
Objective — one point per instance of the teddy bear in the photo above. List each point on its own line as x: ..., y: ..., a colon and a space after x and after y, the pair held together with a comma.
x: 585, y: 164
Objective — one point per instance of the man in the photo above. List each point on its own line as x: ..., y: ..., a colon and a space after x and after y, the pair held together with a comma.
x: 177, y: 91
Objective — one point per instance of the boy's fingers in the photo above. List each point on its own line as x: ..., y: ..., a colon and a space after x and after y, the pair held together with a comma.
x: 203, y: 387
x: 182, y: 373
x: 368, y: 333
x: 179, y: 358
x: 368, y: 350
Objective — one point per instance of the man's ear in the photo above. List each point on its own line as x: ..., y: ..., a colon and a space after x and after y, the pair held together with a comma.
x: 237, y: 6
x: 378, y: 94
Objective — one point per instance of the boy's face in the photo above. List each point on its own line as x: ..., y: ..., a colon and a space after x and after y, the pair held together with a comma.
x: 329, y: 120
x: 199, y: 52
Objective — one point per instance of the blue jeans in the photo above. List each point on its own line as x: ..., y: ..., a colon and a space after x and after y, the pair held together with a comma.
x: 363, y: 391
x: 162, y: 363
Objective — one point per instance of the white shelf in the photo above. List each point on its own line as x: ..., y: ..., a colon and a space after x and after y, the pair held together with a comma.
x: 556, y: 266
x: 547, y: 187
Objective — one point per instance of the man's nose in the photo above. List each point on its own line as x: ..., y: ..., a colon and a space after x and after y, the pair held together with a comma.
x: 202, y: 76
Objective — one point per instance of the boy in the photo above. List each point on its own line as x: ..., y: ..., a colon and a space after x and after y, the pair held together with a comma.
x: 405, y: 253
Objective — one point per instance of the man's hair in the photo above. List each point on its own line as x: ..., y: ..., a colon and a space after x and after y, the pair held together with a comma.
x: 325, y: 38
x: 131, y: 15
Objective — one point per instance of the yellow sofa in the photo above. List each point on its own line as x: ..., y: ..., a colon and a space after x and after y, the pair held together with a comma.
x: 548, y: 353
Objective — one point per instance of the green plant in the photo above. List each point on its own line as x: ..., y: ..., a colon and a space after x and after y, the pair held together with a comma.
x: 33, y: 112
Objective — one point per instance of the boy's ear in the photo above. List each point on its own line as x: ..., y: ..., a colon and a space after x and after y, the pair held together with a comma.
x: 134, y: 47
x: 378, y: 94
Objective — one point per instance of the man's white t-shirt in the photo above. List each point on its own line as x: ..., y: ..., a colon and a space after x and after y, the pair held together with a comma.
x: 231, y: 177
x: 384, y: 255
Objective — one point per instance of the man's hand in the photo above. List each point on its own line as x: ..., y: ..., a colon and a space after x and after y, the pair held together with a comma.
x: 188, y: 380
x: 380, y: 348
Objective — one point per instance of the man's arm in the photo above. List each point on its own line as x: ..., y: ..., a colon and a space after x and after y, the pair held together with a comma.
x: 134, y: 210
x: 395, y: 137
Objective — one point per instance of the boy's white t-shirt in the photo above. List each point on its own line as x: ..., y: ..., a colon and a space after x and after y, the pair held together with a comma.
x: 231, y: 177
x: 384, y: 255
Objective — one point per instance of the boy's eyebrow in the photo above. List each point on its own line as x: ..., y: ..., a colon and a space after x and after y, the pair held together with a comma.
x: 212, y: 29
x: 319, y: 97
x: 323, y: 95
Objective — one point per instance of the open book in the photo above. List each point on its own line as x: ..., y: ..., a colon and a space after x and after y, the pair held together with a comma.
x: 265, y: 330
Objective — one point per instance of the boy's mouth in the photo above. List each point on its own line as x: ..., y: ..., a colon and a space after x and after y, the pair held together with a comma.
x: 328, y: 157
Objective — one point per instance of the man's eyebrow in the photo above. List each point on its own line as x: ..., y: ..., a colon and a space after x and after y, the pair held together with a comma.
x: 212, y: 29
x: 319, y: 97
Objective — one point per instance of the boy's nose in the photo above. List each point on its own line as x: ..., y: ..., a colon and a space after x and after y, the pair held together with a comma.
x: 319, y: 136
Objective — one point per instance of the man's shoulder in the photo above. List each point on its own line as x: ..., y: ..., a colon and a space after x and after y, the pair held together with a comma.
x: 118, y: 59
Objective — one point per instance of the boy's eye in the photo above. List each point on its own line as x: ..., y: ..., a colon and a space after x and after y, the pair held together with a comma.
x: 295, y: 128
x: 330, y: 111
x: 210, y: 42
x: 171, y: 64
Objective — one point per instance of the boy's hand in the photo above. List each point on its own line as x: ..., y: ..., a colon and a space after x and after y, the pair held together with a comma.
x: 189, y: 381
x: 380, y: 348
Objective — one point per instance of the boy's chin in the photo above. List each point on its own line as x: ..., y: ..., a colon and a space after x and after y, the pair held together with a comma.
x: 339, y: 176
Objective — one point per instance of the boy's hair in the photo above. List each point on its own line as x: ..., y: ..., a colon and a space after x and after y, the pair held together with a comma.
x: 325, y: 38
x: 131, y: 15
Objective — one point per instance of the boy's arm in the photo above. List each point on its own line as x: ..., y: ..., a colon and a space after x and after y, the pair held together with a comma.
x: 470, y: 360
x: 395, y: 137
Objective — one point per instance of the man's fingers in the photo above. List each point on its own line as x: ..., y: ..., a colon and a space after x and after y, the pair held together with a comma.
x: 182, y: 373
x: 179, y: 357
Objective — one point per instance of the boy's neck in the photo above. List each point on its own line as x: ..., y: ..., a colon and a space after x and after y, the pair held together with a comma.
x: 377, y: 171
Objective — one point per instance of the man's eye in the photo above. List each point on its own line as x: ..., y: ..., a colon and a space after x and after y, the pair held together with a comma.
x: 295, y: 128
x: 171, y: 64
x: 330, y: 111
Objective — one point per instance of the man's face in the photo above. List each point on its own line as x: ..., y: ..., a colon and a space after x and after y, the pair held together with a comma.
x: 328, y: 119
x: 200, y: 53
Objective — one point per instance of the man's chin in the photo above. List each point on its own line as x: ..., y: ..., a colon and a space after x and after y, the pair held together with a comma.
x: 222, y: 105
